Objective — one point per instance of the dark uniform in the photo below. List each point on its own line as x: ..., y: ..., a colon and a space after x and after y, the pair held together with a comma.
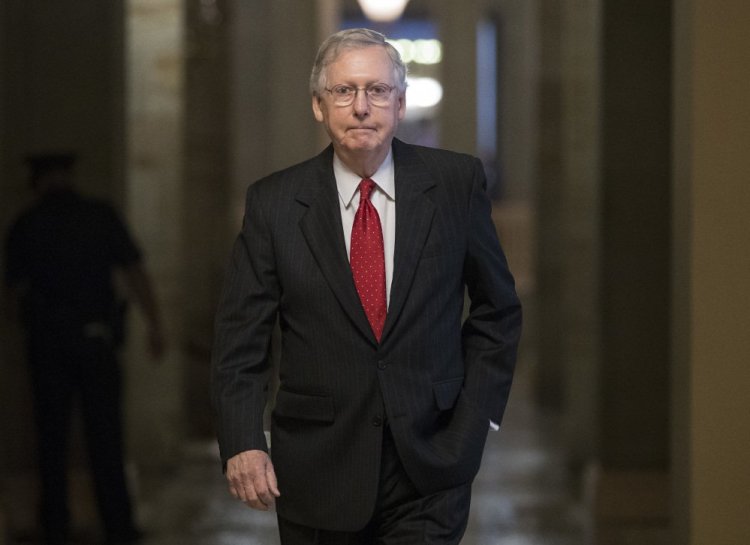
x: 62, y: 252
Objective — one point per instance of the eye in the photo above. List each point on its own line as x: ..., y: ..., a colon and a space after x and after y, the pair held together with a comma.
x: 379, y: 90
x: 342, y: 90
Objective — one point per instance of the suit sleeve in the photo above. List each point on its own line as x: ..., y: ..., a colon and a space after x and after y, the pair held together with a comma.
x: 492, y: 330
x: 244, y: 322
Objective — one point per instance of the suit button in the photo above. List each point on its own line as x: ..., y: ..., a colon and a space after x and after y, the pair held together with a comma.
x: 382, y: 365
x: 377, y: 421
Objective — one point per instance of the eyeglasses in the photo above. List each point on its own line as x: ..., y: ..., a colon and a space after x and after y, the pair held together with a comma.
x: 379, y: 94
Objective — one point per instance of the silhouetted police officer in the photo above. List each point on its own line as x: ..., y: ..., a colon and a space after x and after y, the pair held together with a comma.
x: 61, y: 256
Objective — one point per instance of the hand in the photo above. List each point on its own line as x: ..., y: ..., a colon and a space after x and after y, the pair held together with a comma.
x: 252, y: 479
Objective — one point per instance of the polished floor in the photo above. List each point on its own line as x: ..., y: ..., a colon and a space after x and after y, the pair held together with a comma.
x: 522, y: 495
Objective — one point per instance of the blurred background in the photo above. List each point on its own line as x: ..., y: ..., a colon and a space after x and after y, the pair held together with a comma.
x: 615, y: 135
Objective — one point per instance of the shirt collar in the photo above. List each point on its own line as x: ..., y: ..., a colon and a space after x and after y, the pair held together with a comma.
x: 347, y: 182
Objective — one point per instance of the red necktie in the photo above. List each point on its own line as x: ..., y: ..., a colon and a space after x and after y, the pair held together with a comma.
x: 367, y: 260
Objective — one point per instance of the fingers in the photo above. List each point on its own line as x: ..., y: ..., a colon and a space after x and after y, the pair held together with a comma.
x: 271, y: 480
x: 252, y: 479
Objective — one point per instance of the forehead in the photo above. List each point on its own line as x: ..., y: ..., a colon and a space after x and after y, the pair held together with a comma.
x: 367, y: 64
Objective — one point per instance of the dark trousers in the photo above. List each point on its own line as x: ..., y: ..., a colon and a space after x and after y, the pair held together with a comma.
x: 402, y: 515
x: 66, y: 369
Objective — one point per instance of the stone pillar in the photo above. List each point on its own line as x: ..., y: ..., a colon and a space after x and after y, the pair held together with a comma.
x: 248, y: 75
x: 579, y: 215
x: 630, y: 493
x: 518, y: 97
x: 292, y: 132
x: 711, y: 292
x: 155, y: 200
x: 522, y: 39
x: 567, y: 197
x: 207, y: 190
x: 548, y: 199
x: 458, y: 111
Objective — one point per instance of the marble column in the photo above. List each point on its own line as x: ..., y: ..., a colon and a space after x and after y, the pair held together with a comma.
x: 273, y: 45
x: 155, y: 193
x: 522, y: 38
x: 630, y: 488
x: 457, y: 22
x: 567, y: 197
x: 206, y: 194
x: 580, y: 216
x: 711, y: 260
x: 550, y: 249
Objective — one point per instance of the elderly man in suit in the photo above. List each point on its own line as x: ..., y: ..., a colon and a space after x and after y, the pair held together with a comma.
x: 364, y: 254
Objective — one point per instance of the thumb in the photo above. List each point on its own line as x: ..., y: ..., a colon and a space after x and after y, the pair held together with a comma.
x: 273, y: 484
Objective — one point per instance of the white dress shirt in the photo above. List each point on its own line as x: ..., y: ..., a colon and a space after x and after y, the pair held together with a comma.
x: 383, y: 198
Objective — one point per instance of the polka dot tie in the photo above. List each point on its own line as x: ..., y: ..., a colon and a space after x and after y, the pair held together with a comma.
x: 366, y: 258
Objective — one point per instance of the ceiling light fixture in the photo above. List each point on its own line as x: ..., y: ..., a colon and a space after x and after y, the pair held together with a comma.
x: 383, y: 11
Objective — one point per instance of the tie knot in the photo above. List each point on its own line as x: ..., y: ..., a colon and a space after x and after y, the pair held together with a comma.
x: 365, y: 188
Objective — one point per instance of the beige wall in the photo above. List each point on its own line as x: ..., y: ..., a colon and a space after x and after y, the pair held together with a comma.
x: 712, y: 312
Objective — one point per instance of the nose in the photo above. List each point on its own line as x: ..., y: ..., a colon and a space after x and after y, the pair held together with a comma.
x: 361, y: 105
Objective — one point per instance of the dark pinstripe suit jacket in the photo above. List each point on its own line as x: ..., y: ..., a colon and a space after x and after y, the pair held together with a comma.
x: 436, y: 382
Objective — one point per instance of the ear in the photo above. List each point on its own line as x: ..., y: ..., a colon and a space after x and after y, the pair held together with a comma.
x: 318, y: 108
x: 401, y: 106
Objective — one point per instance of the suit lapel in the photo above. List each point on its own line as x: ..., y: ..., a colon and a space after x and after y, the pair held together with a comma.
x: 414, y: 213
x: 323, y: 231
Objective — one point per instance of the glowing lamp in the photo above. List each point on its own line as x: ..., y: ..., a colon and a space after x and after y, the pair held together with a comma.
x: 383, y: 11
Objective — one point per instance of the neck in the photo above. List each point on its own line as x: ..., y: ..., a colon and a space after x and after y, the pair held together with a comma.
x: 363, y: 164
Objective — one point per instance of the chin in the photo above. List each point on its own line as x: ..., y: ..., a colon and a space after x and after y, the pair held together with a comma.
x: 368, y: 146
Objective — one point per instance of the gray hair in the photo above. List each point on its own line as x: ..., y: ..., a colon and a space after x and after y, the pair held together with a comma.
x: 346, y: 40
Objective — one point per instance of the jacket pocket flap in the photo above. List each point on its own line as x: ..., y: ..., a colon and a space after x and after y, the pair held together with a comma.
x: 305, y: 407
x: 446, y: 392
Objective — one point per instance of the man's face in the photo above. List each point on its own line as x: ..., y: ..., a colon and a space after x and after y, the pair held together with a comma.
x: 360, y: 127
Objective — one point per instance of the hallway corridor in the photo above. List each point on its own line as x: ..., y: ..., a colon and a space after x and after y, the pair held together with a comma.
x: 522, y: 495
